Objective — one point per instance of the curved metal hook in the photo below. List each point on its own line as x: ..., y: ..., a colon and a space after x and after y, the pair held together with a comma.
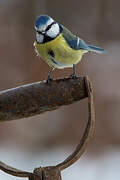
x: 87, y: 133
x: 15, y: 172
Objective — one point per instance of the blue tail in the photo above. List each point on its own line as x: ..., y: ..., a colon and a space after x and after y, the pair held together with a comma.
x: 96, y: 49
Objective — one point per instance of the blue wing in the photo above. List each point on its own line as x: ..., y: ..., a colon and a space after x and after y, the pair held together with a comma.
x: 73, y: 41
x: 76, y: 43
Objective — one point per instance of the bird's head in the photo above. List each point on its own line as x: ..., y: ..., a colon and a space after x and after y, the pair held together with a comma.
x: 46, y: 29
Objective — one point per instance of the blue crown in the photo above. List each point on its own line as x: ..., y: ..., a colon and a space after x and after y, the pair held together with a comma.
x: 41, y: 20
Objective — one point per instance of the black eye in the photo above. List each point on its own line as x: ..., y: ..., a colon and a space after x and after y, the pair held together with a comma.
x: 49, y: 26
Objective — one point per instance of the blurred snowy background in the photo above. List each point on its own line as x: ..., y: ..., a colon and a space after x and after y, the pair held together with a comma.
x: 47, y: 139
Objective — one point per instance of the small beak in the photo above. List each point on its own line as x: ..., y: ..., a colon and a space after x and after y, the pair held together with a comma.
x: 41, y: 32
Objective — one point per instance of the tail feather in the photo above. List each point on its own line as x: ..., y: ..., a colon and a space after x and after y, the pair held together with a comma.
x: 96, y: 49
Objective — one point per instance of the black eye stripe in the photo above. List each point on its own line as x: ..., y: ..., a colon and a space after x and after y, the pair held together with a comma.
x: 39, y: 32
x: 49, y: 26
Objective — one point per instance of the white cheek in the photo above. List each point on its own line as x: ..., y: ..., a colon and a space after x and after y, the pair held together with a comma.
x: 53, y: 31
x: 39, y: 38
x: 50, y: 21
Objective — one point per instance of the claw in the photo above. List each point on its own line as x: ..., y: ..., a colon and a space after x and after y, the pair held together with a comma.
x: 48, y: 80
x: 73, y: 76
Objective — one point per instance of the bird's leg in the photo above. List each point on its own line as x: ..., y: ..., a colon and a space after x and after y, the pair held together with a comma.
x: 48, y: 77
x: 73, y: 75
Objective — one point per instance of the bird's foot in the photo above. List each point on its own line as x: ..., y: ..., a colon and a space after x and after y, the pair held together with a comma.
x: 48, y: 77
x: 48, y: 80
x: 73, y: 76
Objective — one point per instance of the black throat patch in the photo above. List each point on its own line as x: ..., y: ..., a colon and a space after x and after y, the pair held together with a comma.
x: 47, y: 39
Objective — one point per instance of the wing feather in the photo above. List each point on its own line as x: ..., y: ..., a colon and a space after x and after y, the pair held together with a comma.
x: 73, y: 41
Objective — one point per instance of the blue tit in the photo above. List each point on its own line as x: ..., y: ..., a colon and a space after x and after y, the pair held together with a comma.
x: 57, y: 46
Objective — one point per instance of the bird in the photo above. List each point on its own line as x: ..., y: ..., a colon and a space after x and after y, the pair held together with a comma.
x: 58, y: 46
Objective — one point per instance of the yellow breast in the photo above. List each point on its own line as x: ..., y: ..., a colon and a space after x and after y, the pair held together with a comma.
x: 64, y: 56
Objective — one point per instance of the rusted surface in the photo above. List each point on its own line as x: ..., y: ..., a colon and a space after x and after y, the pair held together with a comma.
x: 14, y: 172
x: 39, y: 97
x: 54, y: 172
